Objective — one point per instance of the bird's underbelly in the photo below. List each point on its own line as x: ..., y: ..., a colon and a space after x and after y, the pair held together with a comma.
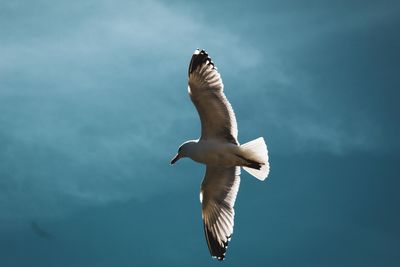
x: 218, y: 155
x: 217, y: 159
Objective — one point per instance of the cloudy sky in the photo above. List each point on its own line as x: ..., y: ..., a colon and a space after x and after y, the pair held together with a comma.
x: 93, y: 105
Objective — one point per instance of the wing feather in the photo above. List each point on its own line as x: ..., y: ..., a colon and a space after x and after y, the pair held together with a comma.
x: 218, y: 190
x: 217, y: 117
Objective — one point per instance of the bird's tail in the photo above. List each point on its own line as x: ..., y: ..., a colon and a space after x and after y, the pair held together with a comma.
x: 256, y: 153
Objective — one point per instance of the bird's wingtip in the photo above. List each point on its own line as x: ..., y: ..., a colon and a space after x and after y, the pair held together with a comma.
x: 216, y: 249
x: 200, y: 57
x: 197, y: 51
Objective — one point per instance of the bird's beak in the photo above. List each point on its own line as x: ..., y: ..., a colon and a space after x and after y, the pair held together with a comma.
x: 175, y: 159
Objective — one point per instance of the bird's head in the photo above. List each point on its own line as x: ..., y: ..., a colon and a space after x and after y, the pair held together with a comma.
x: 184, y: 151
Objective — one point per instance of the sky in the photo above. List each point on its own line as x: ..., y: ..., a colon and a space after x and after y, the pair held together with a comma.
x: 94, y: 104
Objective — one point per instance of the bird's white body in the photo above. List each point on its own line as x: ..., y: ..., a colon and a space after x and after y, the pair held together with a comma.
x: 216, y: 153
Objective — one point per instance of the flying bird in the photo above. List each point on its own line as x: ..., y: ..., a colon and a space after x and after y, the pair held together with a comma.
x: 39, y: 231
x: 218, y: 148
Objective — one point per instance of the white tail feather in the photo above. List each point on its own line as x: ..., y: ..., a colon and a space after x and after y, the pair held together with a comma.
x: 256, y: 150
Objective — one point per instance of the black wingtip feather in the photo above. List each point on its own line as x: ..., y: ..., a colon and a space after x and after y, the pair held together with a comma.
x: 199, y: 58
x: 216, y: 250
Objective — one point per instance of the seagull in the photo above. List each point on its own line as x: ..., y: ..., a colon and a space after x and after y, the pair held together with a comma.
x: 218, y: 148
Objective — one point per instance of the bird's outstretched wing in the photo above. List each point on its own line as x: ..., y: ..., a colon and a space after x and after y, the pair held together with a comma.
x: 217, y: 196
x: 217, y: 118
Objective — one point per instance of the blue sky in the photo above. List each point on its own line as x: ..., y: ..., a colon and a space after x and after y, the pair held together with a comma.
x: 93, y: 104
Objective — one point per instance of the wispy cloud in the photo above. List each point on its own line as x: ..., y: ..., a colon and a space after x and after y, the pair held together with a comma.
x: 89, y: 98
x: 93, y: 95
